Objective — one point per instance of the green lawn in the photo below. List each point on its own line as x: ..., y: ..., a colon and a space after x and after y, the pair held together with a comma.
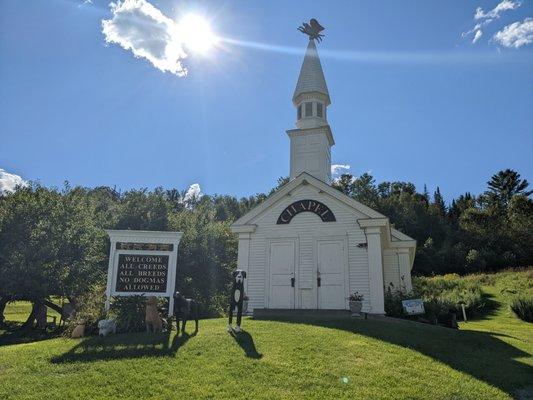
x: 490, y: 358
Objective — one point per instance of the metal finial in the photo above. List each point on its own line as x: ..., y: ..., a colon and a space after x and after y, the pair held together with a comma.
x: 312, y: 29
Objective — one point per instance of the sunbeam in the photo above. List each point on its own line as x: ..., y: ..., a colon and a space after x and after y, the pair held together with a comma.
x: 387, y: 57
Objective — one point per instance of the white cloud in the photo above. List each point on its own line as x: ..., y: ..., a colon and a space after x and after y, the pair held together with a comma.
x: 477, y: 35
x: 9, y: 182
x: 193, y: 193
x: 516, y: 35
x: 476, y: 28
x: 339, y: 169
x: 504, y: 5
x: 486, y: 18
x: 138, y: 26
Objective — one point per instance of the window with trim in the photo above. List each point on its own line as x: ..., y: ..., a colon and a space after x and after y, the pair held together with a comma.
x: 308, y: 109
x: 300, y: 111
x: 319, y: 109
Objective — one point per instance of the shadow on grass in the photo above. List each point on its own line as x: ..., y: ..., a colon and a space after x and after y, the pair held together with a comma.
x: 490, y: 308
x: 121, y: 346
x: 11, y: 333
x: 478, y: 354
x: 245, y: 340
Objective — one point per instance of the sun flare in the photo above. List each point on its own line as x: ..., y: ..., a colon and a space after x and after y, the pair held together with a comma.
x: 196, y: 33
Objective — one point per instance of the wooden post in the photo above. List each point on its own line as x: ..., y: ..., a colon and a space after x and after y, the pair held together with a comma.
x: 464, y: 312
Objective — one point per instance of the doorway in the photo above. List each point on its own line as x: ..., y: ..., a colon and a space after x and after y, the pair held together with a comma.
x: 331, y: 274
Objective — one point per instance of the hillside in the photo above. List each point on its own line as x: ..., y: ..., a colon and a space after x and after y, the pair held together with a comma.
x: 491, y: 357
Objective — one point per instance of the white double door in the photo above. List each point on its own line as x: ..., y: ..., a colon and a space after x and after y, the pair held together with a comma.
x: 330, y: 274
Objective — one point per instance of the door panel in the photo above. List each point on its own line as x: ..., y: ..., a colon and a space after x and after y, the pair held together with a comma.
x: 331, y: 269
x: 282, y: 263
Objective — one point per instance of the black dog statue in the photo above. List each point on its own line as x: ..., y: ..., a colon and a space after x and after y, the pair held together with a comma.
x: 185, y: 309
x: 237, y: 296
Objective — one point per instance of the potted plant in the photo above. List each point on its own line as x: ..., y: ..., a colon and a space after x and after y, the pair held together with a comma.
x: 245, y: 303
x: 356, y: 303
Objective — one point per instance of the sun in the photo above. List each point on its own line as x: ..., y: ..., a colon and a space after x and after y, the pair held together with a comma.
x: 196, y: 33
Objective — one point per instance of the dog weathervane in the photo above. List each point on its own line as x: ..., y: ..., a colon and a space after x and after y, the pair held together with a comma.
x: 312, y: 29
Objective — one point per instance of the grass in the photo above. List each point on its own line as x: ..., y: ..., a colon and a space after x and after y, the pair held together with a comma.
x: 488, y: 358
x: 18, y: 312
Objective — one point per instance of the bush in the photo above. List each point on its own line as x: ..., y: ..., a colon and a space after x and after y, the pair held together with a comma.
x: 441, y: 295
x: 393, y: 303
x: 522, y: 306
x: 90, y: 309
x: 446, y: 293
x: 129, y: 313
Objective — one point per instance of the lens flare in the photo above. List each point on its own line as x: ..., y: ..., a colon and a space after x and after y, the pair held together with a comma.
x: 196, y: 33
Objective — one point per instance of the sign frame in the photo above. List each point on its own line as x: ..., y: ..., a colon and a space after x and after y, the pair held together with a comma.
x: 146, y: 238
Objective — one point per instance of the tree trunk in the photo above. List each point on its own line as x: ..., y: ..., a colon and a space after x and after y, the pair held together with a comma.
x: 3, y: 302
x: 31, y: 318
x: 53, y: 306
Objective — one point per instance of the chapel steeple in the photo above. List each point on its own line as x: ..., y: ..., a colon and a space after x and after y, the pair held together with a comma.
x: 312, y: 140
x: 311, y: 96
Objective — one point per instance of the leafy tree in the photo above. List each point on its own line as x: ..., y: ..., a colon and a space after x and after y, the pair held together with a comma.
x: 206, y: 258
x: 49, y: 246
x: 143, y: 210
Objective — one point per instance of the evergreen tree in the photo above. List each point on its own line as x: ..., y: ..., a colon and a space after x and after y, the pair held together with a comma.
x: 504, y: 185
x: 438, y: 202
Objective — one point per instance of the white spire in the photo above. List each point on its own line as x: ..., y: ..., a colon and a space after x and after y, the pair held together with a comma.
x: 311, y: 79
x: 312, y: 139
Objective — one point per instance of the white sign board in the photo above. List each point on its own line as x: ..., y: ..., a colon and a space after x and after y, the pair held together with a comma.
x: 142, y: 263
x: 413, y: 307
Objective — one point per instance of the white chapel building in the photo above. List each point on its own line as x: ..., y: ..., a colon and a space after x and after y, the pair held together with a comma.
x: 308, y: 246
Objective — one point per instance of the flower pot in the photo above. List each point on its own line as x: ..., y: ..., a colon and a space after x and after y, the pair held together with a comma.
x: 355, y: 307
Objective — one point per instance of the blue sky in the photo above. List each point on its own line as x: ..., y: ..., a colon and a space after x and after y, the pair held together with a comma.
x: 413, y: 99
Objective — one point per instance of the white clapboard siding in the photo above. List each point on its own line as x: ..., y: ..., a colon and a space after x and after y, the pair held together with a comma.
x: 306, y: 228
x: 391, y: 270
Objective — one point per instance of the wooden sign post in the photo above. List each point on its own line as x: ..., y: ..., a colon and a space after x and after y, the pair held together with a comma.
x: 142, y: 263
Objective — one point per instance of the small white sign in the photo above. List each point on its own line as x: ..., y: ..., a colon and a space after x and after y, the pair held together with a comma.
x: 413, y: 306
x: 142, y: 263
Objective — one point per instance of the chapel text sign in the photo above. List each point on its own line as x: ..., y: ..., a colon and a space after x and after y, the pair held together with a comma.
x: 142, y: 273
x: 300, y: 206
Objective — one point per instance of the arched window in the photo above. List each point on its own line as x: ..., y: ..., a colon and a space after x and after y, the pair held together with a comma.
x: 300, y: 111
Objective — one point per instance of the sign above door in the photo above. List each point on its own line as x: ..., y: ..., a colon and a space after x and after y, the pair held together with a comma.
x: 300, y: 206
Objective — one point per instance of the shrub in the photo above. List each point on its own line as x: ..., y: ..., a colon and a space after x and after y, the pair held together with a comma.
x: 441, y: 295
x: 445, y: 293
x: 393, y: 303
x: 89, y: 310
x: 129, y: 313
x: 522, y: 306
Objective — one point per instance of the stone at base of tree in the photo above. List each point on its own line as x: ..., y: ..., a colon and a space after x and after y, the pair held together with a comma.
x: 78, y: 332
